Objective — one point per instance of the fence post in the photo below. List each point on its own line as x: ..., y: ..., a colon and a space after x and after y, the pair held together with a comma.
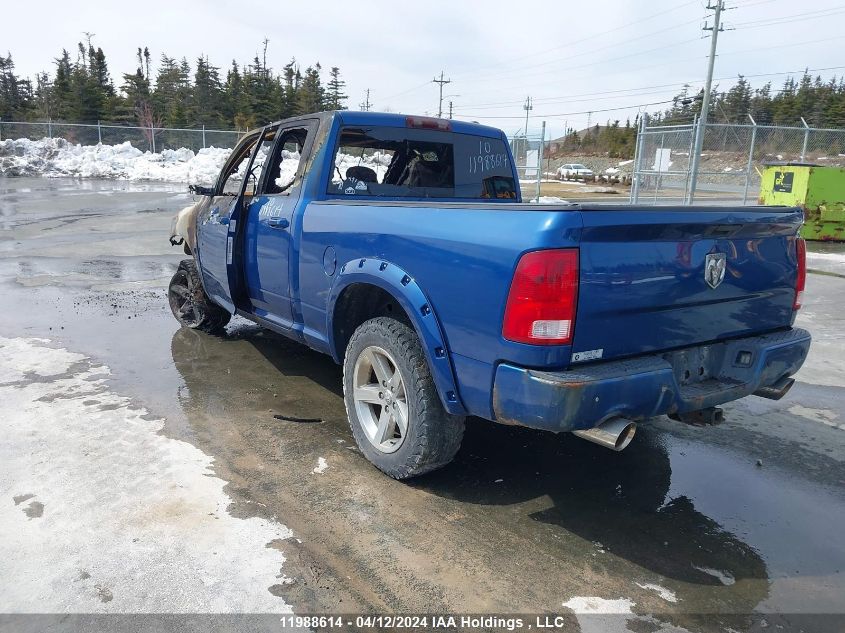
x: 638, y: 153
x: 689, y: 162
x: 540, y: 160
x: 50, y: 128
x: 806, y: 138
x: 1, y: 128
x: 750, y: 164
x: 99, y: 133
x: 203, y: 135
x: 658, y: 180
x: 153, y: 137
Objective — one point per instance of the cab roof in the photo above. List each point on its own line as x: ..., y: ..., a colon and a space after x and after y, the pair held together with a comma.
x: 351, y: 117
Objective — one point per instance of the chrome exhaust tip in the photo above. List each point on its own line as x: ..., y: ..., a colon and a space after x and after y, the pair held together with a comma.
x: 614, y: 434
x: 777, y: 390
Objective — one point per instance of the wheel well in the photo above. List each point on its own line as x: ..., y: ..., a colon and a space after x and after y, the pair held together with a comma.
x: 358, y: 303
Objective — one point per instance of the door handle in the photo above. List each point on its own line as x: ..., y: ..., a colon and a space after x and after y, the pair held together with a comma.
x: 278, y: 223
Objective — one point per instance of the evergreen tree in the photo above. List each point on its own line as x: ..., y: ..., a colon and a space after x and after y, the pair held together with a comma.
x: 290, y: 79
x: 334, y: 91
x: 207, y: 96
x: 62, y: 90
x: 236, y: 109
x: 15, y: 93
x: 311, y: 94
x: 735, y: 104
x: 171, y: 89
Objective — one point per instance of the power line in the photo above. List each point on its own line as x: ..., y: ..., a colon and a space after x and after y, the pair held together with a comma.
x: 642, y: 105
x: 521, y: 70
x: 691, y: 82
x: 404, y: 92
x: 589, y: 99
x: 568, y: 98
x: 588, y: 38
x: 796, y: 17
x: 561, y: 114
x: 612, y: 59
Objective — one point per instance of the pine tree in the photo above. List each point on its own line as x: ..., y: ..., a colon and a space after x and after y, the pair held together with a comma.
x: 290, y: 78
x: 170, y: 91
x: 310, y: 96
x: 62, y: 89
x: 136, y: 93
x: 207, y: 96
x: 334, y: 91
x: 236, y: 110
x: 735, y: 104
x: 14, y: 93
x: 761, y: 105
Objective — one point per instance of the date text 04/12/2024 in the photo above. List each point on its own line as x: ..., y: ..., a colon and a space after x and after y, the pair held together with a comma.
x: 464, y: 622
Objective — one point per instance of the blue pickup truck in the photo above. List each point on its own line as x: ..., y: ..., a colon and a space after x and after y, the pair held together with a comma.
x: 400, y: 246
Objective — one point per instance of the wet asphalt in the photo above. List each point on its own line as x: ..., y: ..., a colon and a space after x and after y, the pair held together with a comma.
x: 739, y: 526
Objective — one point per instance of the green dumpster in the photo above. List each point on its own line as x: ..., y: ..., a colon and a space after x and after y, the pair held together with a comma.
x: 820, y: 191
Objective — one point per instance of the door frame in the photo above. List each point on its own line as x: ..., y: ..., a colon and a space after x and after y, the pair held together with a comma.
x: 293, y: 192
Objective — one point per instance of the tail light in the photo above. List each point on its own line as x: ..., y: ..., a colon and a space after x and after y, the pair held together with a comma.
x: 801, y: 256
x: 542, y: 299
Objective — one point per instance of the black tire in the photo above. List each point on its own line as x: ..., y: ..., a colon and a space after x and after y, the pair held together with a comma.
x: 433, y: 436
x: 189, y: 303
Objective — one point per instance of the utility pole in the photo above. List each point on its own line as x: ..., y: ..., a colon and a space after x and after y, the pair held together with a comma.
x: 527, y: 107
x: 365, y: 105
x: 705, y: 103
x: 450, y: 109
x: 442, y: 82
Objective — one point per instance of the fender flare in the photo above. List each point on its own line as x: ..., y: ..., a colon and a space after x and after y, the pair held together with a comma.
x: 403, y: 287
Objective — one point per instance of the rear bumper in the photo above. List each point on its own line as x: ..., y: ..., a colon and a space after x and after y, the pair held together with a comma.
x: 675, y: 382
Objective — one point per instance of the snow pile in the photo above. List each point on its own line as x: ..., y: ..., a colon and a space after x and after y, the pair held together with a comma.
x: 56, y: 158
x: 550, y: 200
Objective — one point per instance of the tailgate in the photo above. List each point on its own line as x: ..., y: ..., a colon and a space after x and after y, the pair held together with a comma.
x: 661, y: 278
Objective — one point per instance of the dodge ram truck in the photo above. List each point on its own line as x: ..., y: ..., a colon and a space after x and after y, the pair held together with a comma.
x: 401, y: 247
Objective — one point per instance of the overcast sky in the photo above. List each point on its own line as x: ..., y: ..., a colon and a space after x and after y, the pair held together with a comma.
x: 571, y: 57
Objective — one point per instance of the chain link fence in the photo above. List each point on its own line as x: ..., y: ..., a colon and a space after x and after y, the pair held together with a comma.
x: 154, y: 139
x: 527, y: 150
x: 732, y: 160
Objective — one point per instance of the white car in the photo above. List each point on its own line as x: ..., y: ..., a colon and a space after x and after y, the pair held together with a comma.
x: 568, y: 171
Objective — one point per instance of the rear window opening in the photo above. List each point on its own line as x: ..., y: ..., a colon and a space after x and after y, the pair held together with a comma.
x: 418, y: 163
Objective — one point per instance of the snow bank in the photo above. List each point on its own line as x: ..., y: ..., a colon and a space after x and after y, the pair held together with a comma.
x: 56, y: 158
x: 551, y: 200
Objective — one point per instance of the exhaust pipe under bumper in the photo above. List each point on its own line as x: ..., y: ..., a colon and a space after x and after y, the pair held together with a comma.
x: 777, y: 390
x: 614, y: 434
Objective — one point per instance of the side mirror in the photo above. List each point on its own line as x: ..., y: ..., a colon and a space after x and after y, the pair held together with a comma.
x: 201, y: 190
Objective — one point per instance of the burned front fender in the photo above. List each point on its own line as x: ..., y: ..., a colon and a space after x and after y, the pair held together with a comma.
x: 183, y: 227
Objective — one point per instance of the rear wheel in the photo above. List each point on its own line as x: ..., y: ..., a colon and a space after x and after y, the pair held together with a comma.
x: 189, y: 303
x: 393, y: 407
